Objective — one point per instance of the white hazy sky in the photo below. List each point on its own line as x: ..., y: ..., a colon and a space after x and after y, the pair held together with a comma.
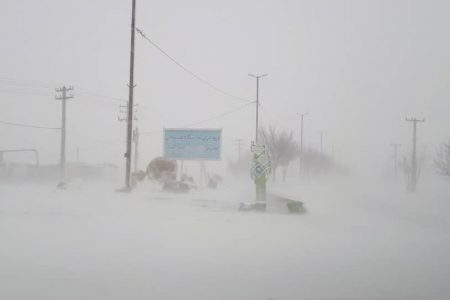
x: 357, y: 67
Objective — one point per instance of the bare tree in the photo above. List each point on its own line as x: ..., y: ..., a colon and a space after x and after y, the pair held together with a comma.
x: 316, y: 163
x: 405, y: 166
x: 291, y: 152
x: 281, y: 147
x: 442, y: 160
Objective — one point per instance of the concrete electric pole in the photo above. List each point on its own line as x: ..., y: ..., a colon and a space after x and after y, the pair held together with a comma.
x: 63, y: 97
x: 130, y: 101
x: 413, y: 179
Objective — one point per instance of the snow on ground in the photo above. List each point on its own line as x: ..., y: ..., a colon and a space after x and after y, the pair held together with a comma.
x: 357, y: 241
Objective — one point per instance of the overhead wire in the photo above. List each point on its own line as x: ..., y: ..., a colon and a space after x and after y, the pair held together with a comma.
x: 274, y: 119
x: 24, y: 87
x: 17, y: 88
x: 16, y: 85
x: 184, y: 68
x: 98, y: 96
x: 25, y: 93
x: 29, y: 83
x: 12, y: 84
x: 206, y: 120
x: 41, y: 88
x: 84, y: 91
x: 219, y: 116
x: 29, y: 126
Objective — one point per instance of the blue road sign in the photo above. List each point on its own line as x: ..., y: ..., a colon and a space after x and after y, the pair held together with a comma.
x: 192, y: 144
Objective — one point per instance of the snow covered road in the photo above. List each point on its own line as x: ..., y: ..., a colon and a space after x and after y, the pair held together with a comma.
x: 89, y: 242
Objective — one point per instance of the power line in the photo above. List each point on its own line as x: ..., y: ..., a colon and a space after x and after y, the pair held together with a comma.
x: 276, y: 117
x: 220, y: 116
x: 266, y: 112
x: 29, y: 126
x: 19, y: 86
x: 206, y: 120
x: 97, y: 95
x: 8, y: 84
x: 46, y: 85
x: 97, y: 140
x: 105, y: 98
x: 114, y: 100
x: 13, y: 83
x: 188, y: 70
x: 28, y: 82
x: 24, y: 92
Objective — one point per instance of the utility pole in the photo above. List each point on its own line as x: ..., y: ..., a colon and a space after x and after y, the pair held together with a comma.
x: 257, y: 102
x: 301, y: 130
x: 63, y: 97
x: 301, y: 141
x: 395, y: 146
x: 413, y: 178
x: 78, y: 154
x: 239, y: 143
x: 136, y: 148
x: 130, y: 101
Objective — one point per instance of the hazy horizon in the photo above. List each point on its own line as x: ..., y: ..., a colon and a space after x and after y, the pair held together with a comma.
x: 358, y: 68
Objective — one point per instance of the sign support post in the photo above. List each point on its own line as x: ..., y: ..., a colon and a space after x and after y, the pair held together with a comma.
x: 261, y: 168
x: 261, y: 192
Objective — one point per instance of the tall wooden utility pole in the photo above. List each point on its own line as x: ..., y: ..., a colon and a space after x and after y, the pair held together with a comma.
x: 63, y: 97
x: 130, y: 101
x: 413, y: 179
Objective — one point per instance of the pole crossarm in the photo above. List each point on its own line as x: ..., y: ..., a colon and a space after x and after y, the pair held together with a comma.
x: 414, y: 120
